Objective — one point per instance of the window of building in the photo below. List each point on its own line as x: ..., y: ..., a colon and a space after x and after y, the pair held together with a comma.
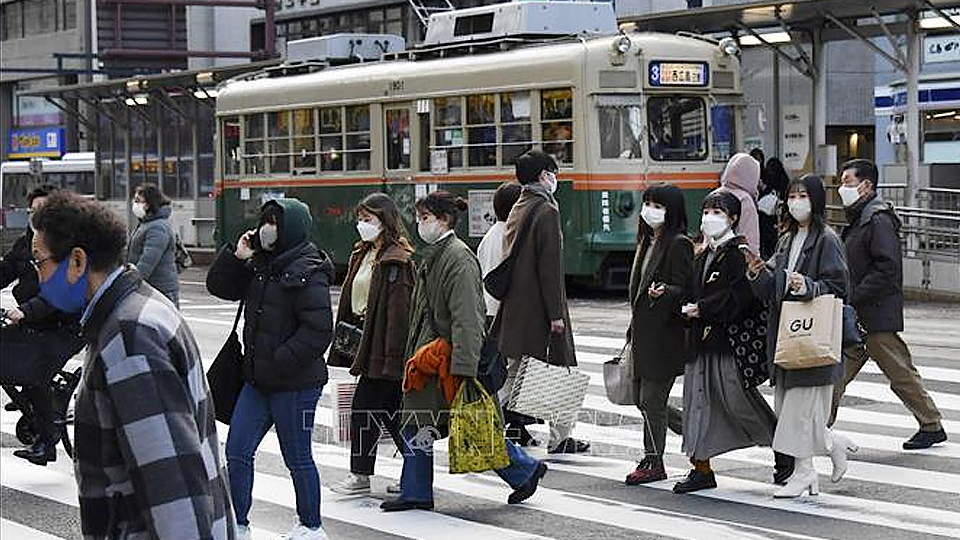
x: 482, y: 130
x: 253, y: 143
x: 331, y: 139
x: 621, y: 131
x: 304, y: 140
x: 278, y: 145
x: 231, y: 146
x: 556, y: 124
x: 358, y: 137
x: 677, y: 128
x: 516, y: 132
x: 398, y: 138
x: 448, y: 129
x: 69, y: 20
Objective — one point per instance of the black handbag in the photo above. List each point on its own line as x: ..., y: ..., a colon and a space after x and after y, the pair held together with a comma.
x: 748, y: 339
x: 497, y: 281
x: 225, y: 376
x: 492, y: 369
x: 346, y: 342
x: 852, y: 332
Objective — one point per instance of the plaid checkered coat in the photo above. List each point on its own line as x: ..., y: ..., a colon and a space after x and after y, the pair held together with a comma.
x: 147, y: 460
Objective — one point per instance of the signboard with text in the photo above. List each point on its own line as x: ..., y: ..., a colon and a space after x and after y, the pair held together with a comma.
x: 941, y: 49
x: 39, y: 142
x: 678, y: 74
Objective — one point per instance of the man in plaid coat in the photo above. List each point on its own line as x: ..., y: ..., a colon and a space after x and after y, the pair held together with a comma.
x: 147, y: 460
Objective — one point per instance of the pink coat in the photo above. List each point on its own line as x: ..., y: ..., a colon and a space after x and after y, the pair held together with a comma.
x: 742, y: 178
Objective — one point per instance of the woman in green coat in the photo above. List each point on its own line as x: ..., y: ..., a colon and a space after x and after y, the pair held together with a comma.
x: 447, y: 303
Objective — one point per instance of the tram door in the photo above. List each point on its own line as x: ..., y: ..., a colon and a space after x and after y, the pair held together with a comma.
x: 398, y: 157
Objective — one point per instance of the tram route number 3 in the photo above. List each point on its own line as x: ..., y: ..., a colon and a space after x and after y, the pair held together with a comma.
x: 396, y: 86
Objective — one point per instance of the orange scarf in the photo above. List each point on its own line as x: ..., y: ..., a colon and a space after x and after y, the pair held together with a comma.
x: 431, y: 360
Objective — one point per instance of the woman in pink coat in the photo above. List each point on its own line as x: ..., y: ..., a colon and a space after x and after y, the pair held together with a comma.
x: 742, y: 178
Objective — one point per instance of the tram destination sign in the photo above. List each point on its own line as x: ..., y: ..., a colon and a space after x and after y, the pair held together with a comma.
x: 678, y: 74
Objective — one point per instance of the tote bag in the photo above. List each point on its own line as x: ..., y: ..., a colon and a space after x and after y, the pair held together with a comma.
x: 225, y: 376
x: 618, y: 378
x: 551, y: 393
x: 810, y: 333
x: 476, y: 431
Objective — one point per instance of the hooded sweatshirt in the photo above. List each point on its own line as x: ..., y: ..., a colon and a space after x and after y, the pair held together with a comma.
x: 742, y: 178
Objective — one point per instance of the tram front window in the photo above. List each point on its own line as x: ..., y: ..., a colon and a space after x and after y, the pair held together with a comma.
x: 621, y: 130
x: 677, y: 128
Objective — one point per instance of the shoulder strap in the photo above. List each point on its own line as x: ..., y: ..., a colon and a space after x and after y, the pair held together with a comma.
x: 236, y: 320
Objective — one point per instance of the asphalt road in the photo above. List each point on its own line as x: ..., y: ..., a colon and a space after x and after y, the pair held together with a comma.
x: 888, y: 493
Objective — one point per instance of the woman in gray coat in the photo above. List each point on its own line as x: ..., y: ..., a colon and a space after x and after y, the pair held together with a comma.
x: 809, y: 261
x: 153, y: 243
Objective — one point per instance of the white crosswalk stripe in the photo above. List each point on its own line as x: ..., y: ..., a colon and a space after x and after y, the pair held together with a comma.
x: 888, y: 492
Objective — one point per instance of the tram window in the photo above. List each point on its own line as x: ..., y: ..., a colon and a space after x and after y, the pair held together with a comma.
x: 304, y: 156
x: 231, y: 146
x: 278, y: 129
x: 358, y: 138
x: 449, y: 133
x: 331, y: 139
x: 724, y: 132
x: 621, y: 129
x: 398, y: 138
x: 253, y: 148
x: 677, y: 127
x: 556, y: 115
x: 481, y: 130
x: 516, y: 133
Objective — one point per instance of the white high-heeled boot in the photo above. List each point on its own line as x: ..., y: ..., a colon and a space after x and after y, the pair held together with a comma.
x: 838, y: 455
x: 804, y: 479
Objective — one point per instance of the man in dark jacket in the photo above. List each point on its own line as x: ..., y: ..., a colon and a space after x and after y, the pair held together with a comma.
x: 533, y: 319
x: 147, y: 459
x: 872, y: 241
x: 38, y: 344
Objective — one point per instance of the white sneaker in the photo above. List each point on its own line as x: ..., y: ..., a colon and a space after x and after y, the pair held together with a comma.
x: 302, y: 532
x: 354, y: 484
x: 243, y: 532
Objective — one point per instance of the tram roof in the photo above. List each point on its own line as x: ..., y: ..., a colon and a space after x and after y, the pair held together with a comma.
x: 797, y: 14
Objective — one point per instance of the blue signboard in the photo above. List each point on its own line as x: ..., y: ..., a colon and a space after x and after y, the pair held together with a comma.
x: 694, y: 74
x: 37, y: 142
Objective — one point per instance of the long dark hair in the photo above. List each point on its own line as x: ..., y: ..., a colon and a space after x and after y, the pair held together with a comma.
x: 382, y: 206
x: 776, y: 177
x: 442, y: 204
x: 153, y: 196
x: 818, y: 202
x: 675, y: 222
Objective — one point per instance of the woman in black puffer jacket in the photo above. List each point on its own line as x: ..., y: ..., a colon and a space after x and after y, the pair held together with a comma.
x: 283, y: 280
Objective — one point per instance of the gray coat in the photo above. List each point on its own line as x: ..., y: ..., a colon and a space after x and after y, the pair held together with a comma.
x: 824, y: 265
x: 152, y: 251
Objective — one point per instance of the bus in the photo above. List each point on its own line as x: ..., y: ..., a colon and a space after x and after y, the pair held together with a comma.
x: 618, y: 111
x: 73, y: 172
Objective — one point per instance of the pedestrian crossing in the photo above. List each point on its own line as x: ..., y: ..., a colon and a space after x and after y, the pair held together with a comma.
x: 887, y: 493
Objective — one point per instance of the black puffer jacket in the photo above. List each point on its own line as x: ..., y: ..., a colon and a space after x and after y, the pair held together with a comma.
x: 872, y: 243
x: 288, y: 321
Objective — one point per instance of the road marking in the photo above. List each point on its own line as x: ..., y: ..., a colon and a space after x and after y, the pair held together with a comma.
x: 15, y: 531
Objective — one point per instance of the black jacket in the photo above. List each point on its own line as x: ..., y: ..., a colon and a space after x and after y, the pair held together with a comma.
x: 657, y: 332
x: 723, y: 295
x: 16, y: 266
x: 872, y: 243
x: 288, y: 321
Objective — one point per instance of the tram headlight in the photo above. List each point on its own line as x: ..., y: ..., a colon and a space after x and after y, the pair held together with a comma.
x: 729, y: 46
x: 621, y: 44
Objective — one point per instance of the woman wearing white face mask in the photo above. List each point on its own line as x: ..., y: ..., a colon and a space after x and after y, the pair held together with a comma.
x: 659, y: 285
x: 153, y: 242
x: 809, y: 261
x: 374, y: 303
x: 719, y: 414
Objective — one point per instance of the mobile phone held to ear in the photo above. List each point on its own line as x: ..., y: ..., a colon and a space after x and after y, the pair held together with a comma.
x: 745, y: 248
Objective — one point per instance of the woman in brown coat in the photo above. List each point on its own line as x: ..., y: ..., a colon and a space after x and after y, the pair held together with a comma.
x: 376, y: 298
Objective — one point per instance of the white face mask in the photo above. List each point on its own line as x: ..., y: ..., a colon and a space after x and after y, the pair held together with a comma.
x: 140, y: 210
x: 369, y: 230
x: 653, y: 216
x: 849, y: 195
x: 430, y: 231
x: 714, y: 225
x: 799, y: 209
x: 549, y: 180
x: 268, y: 235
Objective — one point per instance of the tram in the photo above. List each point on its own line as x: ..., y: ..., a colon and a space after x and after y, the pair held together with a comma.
x: 618, y: 110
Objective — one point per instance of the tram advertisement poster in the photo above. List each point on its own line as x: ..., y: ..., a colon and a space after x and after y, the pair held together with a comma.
x: 482, y: 216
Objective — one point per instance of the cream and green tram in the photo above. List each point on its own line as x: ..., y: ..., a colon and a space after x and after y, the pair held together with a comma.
x: 618, y: 113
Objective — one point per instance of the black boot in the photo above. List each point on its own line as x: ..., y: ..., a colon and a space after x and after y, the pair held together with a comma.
x: 40, y: 453
x: 782, y: 468
x: 925, y: 439
x: 695, y: 481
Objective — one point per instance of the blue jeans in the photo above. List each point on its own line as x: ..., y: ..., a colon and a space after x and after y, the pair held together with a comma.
x: 292, y: 412
x: 416, y: 481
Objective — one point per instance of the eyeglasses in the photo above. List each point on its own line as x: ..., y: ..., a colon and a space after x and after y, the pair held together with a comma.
x: 38, y: 265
